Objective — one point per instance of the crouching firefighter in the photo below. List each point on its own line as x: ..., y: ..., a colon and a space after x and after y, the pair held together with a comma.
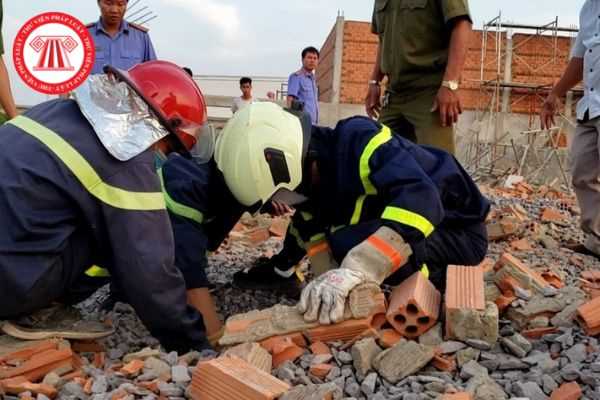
x: 80, y: 200
x: 364, y: 194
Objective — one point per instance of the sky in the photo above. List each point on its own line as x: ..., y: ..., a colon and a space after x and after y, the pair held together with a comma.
x: 253, y: 37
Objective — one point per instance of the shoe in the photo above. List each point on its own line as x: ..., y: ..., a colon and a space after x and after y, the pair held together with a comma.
x: 265, y: 276
x: 581, y: 249
x: 57, y: 321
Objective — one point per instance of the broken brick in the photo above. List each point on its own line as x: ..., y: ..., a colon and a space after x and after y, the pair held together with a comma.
x: 253, y: 354
x: 257, y: 236
x: 87, y: 347
x: 465, y: 293
x: 538, y: 333
x: 286, y: 351
x: 99, y: 360
x: 27, y: 352
x: 319, y: 348
x: 526, y: 278
x: 503, y: 302
x: 550, y: 214
x: 87, y: 386
x: 567, y: 391
x: 296, y: 338
x: 233, y: 378
x: 388, y: 338
x: 457, y: 396
x: 380, y: 321
x: 343, y: 331
x: 521, y: 245
x: 20, y: 385
x: 279, y: 227
x: 591, y: 276
x: 553, y: 279
x: 444, y: 363
x: 498, y: 230
x: 320, y: 370
x: 414, y: 306
x: 39, y: 365
x: 588, y: 316
x: 132, y: 368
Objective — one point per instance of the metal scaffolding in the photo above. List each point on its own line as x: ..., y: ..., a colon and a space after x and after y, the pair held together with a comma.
x: 139, y: 14
x: 490, y: 148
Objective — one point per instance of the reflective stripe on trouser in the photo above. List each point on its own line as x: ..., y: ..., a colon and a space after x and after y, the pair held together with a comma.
x: 85, y: 173
x: 177, y: 208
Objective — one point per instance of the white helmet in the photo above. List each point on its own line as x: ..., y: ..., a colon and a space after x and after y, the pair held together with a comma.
x: 260, y: 153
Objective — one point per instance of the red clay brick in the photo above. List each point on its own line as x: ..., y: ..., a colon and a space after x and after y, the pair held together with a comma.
x: 550, y: 214
x: 39, y: 364
x: 464, y: 290
x: 591, y: 276
x: 553, y: 279
x: 87, y: 347
x: 521, y: 245
x: 233, y: 378
x: 320, y: 370
x: 447, y: 364
x: 27, y: 352
x: 567, y: 391
x: 503, y: 302
x: 389, y: 337
x: 414, y: 306
x: 257, y: 236
x: 509, y: 262
x: 284, y: 351
x: 296, y: 338
x: 99, y: 360
x: 133, y: 367
x: 279, y: 227
x: 457, y: 396
x: 319, y: 348
x: 588, y: 316
x: 343, y: 331
x: 537, y: 333
x: 20, y: 385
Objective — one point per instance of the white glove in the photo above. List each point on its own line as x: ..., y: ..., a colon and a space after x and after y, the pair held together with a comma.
x: 372, y: 260
x: 328, y: 294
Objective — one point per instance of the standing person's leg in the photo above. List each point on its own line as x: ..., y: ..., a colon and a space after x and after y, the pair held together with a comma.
x: 585, y: 169
x: 391, y: 116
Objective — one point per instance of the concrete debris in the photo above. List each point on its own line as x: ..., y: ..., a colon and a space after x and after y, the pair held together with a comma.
x: 402, y: 360
x: 363, y: 353
x: 469, y: 323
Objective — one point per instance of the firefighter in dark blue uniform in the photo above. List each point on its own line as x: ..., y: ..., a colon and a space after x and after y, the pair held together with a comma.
x: 80, y: 201
x: 362, y: 193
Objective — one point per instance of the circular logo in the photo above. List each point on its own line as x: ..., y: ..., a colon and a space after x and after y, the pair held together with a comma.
x: 53, y: 53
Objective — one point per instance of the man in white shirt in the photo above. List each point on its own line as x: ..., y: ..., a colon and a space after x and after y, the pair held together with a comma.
x: 246, y: 97
x: 585, y: 149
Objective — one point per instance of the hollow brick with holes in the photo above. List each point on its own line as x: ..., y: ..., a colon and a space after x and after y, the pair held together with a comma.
x: 414, y: 306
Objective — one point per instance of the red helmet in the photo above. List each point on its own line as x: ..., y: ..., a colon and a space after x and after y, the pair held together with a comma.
x: 171, y: 94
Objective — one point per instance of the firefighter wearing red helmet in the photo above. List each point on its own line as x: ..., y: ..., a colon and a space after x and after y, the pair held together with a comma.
x: 81, y: 206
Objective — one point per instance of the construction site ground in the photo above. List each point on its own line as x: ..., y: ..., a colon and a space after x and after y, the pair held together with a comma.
x: 521, y: 325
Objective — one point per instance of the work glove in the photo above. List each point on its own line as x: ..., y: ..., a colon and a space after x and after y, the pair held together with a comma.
x: 373, y: 260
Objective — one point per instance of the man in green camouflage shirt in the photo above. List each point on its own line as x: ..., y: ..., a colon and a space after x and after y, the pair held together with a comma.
x: 422, y: 50
x: 6, y: 98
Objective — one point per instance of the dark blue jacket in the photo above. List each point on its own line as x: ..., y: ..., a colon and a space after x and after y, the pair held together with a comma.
x: 202, y: 211
x: 66, y: 204
x: 369, y: 174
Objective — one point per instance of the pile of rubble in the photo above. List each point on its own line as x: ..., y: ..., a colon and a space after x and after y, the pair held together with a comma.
x: 520, y: 325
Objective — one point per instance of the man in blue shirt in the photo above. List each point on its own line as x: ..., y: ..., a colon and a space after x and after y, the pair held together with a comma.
x: 302, y: 85
x: 119, y: 43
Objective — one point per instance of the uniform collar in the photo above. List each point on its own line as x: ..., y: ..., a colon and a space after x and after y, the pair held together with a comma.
x: 124, y: 28
x: 304, y: 72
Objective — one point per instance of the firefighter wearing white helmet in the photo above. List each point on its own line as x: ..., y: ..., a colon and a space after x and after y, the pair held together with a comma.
x: 260, y: 154
x: 375, y: 204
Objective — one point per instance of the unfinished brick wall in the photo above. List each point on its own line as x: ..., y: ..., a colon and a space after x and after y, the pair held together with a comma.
x: 531, y: 64
x: 325, y: 68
